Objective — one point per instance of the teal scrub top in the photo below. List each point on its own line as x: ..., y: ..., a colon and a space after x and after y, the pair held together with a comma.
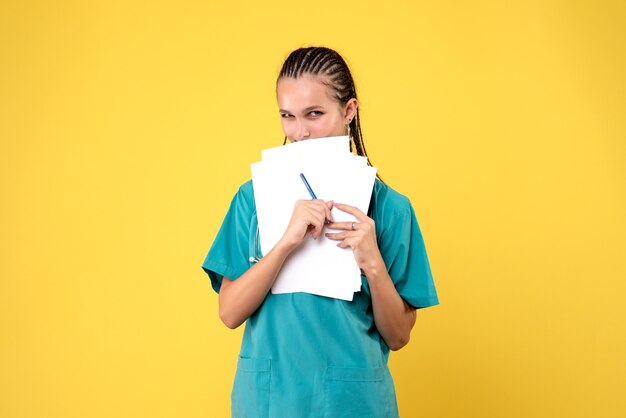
x: 304, y: 355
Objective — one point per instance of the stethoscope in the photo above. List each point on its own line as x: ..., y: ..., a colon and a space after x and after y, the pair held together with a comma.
x: 257, y: 251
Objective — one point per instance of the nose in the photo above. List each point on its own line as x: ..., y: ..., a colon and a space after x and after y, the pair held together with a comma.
x: 302, y: 131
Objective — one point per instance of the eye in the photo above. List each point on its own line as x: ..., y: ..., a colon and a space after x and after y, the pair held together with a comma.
x: 286, y: 115
x: 315, y: 113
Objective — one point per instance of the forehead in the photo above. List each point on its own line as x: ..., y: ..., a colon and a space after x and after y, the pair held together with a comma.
x: 302, y: 92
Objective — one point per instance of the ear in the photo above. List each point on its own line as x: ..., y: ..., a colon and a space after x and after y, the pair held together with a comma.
x: 350, y: 110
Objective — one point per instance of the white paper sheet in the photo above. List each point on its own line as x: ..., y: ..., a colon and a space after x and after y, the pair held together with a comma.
x: 318, y: 266
x: 334, y: 146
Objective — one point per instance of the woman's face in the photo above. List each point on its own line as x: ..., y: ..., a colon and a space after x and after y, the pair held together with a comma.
x: 308, y: 110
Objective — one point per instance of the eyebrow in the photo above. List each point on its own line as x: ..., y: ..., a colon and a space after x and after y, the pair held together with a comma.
x: 308, y: 109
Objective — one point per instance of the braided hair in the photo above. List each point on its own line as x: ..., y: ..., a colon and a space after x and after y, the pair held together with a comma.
x: 327, y: 63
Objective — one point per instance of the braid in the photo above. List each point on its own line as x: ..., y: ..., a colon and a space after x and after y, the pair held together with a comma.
x: 327, y: 63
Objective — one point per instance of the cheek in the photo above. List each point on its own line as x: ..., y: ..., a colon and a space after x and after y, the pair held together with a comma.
x: 333, y: 126
x: 286, y: 126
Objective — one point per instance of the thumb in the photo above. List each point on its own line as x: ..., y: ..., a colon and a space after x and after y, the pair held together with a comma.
x: 329, y: 206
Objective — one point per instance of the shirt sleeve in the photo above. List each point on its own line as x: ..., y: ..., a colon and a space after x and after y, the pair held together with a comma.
x: 229, y: 254
x: 402, y: 247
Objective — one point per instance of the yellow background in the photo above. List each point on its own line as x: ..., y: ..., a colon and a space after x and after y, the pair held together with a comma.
x: 126, y: 128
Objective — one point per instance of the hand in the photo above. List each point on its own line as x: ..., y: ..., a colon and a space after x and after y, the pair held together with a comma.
x: 361, y: 238
x: 309, y: 217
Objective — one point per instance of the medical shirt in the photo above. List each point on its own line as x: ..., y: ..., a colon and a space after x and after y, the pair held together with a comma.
x: 304, y: 355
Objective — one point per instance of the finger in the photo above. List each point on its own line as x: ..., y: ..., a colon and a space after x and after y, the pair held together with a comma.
x: 316, y: 220
x: 329, y: 206
x: 323, y: 207
x: 345, y: 244
x: 356, y: 212
x: 341, y: 225
x: 314, y: 230
x: 338, y: 235
x: 317, y: 208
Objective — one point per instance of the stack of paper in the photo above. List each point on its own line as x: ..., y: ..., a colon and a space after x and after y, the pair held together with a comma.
x: 334, y: 173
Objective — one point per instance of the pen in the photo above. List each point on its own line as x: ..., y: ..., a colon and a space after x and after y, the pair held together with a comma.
x: 308, y: 186
x: 311, y: 192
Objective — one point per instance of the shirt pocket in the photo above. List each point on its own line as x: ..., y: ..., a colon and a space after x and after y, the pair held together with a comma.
x: 359, y: 392
x: 251, y: 392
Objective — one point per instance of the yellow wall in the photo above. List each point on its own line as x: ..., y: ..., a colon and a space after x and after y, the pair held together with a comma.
x: 126, y: 127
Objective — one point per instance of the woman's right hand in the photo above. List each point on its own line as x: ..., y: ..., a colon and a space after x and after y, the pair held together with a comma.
x: 309, y: 217
x: 242, y: 297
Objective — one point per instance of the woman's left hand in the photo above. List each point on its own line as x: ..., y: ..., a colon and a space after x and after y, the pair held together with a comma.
x: 394, y: 317
x: 359, y: 235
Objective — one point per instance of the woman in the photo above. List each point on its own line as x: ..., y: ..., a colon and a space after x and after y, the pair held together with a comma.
x: 304, y: 355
